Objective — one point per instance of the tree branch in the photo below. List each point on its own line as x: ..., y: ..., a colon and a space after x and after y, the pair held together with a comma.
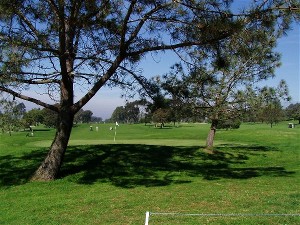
x: 27, y: 98
x: 110, y: 72
x: 34, y: 80
x: 124, y: 27
x: 143, y: 20
x: 47, y: 46
x: 179, y: 45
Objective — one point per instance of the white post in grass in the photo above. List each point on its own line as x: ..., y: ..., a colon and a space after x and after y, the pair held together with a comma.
x: 116, y: 131
x: 147, y: 218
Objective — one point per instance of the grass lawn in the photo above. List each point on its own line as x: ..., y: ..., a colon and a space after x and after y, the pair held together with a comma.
x: 255, y: 171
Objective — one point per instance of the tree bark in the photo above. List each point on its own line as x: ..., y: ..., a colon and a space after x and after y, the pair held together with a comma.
x: 50, y: 167
x: 211, y: 135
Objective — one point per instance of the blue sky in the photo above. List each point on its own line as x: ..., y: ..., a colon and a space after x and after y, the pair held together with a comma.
x: 289, y: 48
x: 108, y: 99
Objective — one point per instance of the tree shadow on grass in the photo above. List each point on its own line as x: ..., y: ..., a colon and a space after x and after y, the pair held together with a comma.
x: 17, y: 169
x: 129, y: 166
x: 148, y: 165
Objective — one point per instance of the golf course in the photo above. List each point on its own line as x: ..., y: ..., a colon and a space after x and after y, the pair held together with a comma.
x: 115, y: 174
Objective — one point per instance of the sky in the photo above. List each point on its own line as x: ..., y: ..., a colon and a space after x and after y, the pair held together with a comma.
x: 289, y: 48
x: 107, y: 99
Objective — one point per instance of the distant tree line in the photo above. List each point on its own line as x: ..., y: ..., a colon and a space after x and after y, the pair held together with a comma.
x: 14, y: 117
x: 263, y: 107
x: 166, y: 111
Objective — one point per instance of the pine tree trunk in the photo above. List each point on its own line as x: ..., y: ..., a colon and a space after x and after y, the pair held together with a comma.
x: 49, y: 169
x: 211, y: 135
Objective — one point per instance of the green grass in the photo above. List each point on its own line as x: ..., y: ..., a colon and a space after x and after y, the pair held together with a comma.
x: 256, y: 170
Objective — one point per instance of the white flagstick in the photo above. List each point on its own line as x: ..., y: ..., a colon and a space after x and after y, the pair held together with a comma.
x: 115, y: 131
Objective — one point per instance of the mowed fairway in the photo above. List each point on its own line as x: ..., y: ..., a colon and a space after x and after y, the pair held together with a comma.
x: 256, y: 171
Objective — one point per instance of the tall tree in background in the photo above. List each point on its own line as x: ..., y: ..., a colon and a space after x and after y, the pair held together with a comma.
x: 11, y: 113
x: 50, y: 118
x: 118, y: 115
x: 33, y: 117
x: 65, y: 46
x: 293, y: 111
x: 83, y: 116
x: 218, y: 78
x: 127, y: 114
x: 270, y: 98
x: 162, y: 116
x: 132, y: 112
